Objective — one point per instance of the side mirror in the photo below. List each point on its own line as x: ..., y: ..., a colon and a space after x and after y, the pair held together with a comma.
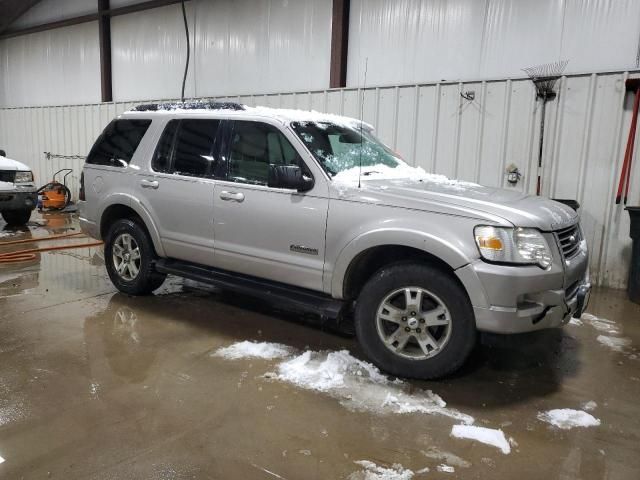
x: 3, y: 153
x: 289, y: 176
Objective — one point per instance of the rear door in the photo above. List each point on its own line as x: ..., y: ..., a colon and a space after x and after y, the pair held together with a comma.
x: 262, y: 231
x: 177, y: 188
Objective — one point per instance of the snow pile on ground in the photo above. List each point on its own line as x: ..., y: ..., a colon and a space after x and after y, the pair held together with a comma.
x: 248, y: 349
x: 372, y: 471
x: 489, y: 436
x: 617, y: 344
x: 590, y: 405
x: 359, y: 385
x: 567, y: 418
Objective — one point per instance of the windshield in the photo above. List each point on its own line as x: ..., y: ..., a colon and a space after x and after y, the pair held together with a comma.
x: 339, y: 148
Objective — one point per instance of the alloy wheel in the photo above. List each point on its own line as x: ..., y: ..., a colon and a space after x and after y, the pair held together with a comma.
x: 414, y: 323
x: 126, y: 257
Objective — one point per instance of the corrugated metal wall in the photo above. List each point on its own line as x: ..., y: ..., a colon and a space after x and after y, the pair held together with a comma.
x: 432, y: 126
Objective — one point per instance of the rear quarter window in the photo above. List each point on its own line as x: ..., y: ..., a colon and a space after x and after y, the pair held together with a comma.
x: 118, y: 142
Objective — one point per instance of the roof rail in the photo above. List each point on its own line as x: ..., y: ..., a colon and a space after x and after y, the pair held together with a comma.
x: 208, y: 105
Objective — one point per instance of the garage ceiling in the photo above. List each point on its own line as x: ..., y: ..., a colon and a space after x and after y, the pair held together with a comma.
x: 10, y: 10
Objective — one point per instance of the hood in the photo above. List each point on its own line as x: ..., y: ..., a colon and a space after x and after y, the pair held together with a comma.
x: 440, y: 194
x: 8, y: 164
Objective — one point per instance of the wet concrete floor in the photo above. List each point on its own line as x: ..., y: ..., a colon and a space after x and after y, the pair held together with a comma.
x: 97, y: 385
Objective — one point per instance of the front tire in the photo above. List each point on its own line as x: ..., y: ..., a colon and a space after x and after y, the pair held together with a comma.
x: 129, y: 258
x: 414, y: 320
x: 16, y: 218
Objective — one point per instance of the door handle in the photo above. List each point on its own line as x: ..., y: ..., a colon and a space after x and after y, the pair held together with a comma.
x: 232, y: 196
x: 149, y: 184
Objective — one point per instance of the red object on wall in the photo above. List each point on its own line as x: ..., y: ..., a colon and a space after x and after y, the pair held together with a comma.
x: 625, y: 175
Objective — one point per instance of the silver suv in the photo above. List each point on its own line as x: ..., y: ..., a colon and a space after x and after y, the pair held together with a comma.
x: 311, y: 210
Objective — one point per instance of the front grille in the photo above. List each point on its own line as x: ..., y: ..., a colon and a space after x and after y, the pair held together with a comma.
x: 569, y: 241
x: 5, y: 197
x: 7, y: 176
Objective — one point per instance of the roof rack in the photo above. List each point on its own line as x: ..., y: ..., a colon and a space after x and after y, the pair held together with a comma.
x: 154, y: 107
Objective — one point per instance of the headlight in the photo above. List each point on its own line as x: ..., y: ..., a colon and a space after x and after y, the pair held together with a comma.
x: 525, y: 246
x: 23, y: 177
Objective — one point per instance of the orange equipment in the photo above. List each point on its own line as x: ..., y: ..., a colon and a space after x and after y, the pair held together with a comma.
x: 56, y: 195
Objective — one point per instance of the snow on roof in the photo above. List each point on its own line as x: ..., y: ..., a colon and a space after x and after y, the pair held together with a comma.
x: 285, y: 115
x: 293, y: 115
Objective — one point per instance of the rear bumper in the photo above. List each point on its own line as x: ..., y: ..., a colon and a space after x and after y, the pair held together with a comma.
x: 90, y: 228
x: 87, y: 226
x: 18, y: 200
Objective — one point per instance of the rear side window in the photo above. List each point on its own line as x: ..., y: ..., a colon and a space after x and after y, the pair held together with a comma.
x: 187, y: 147
x: 194, y: 148
x: 118, y: 142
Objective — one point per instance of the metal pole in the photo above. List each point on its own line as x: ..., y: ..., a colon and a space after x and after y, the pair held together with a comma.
x: 541, y: 144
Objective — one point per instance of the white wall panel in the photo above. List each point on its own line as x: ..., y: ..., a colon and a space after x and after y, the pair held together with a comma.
x: 601, y: 34
x: 55, y: 67
x: 413, y: 40
x: 282, y: 45
x: 237, y: 46
x: 267, y: 46
x: 409, y: 41
x: 518, y: 34
x: 148, y: 52
x: 432, y: 126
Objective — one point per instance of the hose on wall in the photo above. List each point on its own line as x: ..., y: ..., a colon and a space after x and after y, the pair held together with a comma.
x: 186, y: 65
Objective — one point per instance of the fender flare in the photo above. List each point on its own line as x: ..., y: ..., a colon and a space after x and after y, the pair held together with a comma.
x: 135, y: 205
x: 420, y: 240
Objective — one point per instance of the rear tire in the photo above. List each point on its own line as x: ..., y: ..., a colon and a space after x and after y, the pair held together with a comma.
x: 129, y: 258
x: 16, y: 218
x: 413, y: 320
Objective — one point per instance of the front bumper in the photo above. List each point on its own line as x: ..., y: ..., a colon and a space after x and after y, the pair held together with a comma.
x: 18, y: 199
x: 554, y: 310
x: 515, y: 299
